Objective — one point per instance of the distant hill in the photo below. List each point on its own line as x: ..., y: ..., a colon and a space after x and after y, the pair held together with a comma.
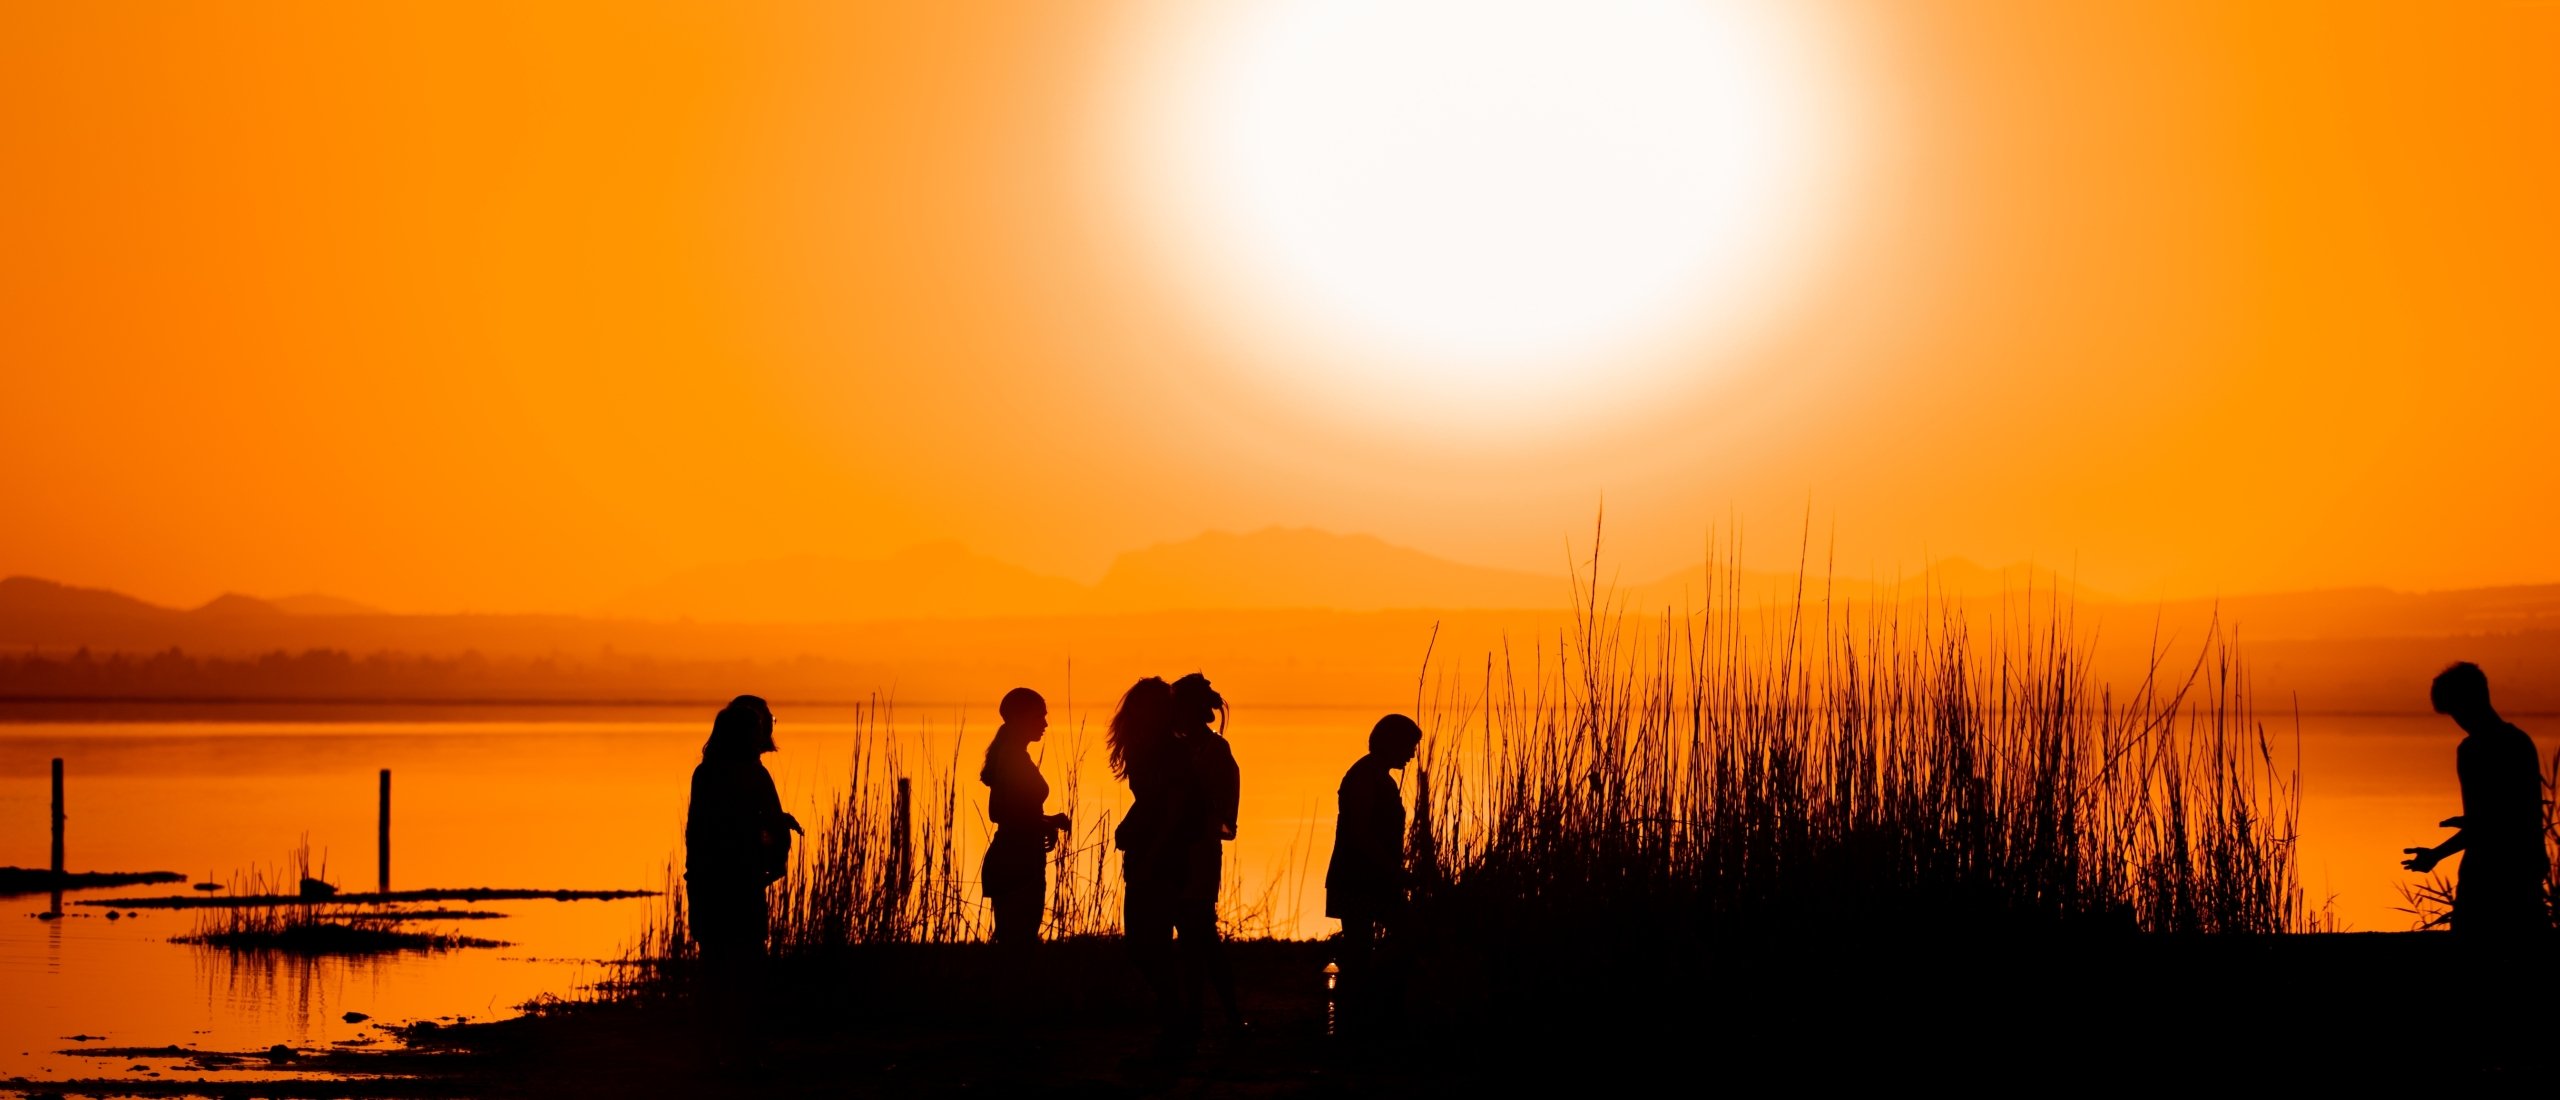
x: 1279, y: 567
x: 34, y: 611
x: 935, y: 580
x: 33, y: 605
x: 313, y: 603
x: 1272, y: 568
x: 232, y: 605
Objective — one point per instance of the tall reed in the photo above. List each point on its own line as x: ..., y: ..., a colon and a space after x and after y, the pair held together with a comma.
x: 1885, y: 764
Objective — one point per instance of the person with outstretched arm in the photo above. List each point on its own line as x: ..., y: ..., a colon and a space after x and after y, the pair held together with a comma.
x: 2501, y: 888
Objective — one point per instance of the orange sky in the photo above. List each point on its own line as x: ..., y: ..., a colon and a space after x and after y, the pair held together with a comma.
x: 518, y: 307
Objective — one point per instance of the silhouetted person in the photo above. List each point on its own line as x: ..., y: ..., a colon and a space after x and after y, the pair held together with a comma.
x: 1142, y: 752
x: 2500, y: 889
x: 736, y: 837
x: 1015, y: 871
x: 1207, y: 824
x: 1364, y: 884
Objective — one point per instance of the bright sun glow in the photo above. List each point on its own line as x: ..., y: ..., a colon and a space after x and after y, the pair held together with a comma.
x: 1508, y: 208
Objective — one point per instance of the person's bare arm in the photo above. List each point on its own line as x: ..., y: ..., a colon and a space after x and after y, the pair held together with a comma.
x: 2423, y: 860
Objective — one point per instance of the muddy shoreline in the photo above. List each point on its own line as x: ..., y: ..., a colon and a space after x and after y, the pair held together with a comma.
x: 967, y: 1020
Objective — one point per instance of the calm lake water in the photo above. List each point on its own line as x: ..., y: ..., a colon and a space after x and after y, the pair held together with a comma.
x: 595, y: 800
x: 579, y: 800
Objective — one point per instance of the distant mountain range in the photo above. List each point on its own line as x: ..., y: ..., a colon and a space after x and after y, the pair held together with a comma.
x: 1287, y: 613
x: 1270, y: 569
x: 935, y: 580
x: 36, y: 610
x: 1267, y: 570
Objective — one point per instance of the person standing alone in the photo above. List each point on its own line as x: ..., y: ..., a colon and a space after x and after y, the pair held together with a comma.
x: 737, y: 839
x: 2500, y: 891
x: 1364, y: 883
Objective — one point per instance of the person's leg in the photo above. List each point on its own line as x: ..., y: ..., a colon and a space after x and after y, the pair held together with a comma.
x: 1206, y: 952
x: 1147, y: 926
x: 728, y: 925
x: 1352, y: 985
x: 2500, y: 902
x: 1390, y: 955
x: 1017, y: 919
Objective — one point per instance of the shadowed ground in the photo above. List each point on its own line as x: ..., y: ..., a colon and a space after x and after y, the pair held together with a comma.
x: 2361, y: 1009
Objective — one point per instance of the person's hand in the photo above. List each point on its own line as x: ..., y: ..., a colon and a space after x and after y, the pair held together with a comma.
x: 1049, y: 842
x: 2421, y: 860
x: 2454, y: 822
x: 1058, y: 822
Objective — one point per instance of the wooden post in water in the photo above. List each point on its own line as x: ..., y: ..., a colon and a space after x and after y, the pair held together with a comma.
x: 900, y: 845
x: 56, y: 910
x: 382, y: 837
x: 57, y: 819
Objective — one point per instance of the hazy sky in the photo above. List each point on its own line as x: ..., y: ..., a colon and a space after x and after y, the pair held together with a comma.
x: 518, y: 307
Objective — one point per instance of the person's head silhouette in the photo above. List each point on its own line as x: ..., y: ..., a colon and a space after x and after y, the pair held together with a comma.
x: 1394, y: 739
x: 1195, y: 703
x: 742, y: 730
x: 1025, y: 713
x: 2462, y: 692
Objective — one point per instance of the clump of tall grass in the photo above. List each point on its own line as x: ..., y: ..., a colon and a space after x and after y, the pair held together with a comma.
x: 316, y: 924
x: 1884, y: 765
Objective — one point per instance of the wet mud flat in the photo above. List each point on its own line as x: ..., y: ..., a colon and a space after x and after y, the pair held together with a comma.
x: 393, y: 897
x: 1775, y: 1011
x: 15, y: 881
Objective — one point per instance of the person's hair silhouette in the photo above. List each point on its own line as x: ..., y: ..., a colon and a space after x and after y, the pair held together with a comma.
x: 737, y: 840
x: 1139, y: 729
x: 1364, y: 883
x: 1142, y: 751
x: 2500, y: 890
x: 1014, y: 872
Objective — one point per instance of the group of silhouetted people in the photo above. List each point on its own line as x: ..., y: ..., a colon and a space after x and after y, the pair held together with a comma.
x: 1183, y: 789
x: 1167, y: 741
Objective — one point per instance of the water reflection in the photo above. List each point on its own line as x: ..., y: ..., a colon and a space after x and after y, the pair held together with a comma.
x: 286, y: 989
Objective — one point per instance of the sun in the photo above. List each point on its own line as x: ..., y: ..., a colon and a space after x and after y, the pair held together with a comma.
x: 1507, y: 210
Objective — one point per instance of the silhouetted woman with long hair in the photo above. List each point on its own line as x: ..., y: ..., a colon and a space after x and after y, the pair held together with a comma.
x: 1141, y: 750
x: 737, y: 840
x: 1206, y: 825
x: 1015, y: 870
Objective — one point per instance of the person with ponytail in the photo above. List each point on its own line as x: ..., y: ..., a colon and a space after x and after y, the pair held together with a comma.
x: 1207, y: 823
